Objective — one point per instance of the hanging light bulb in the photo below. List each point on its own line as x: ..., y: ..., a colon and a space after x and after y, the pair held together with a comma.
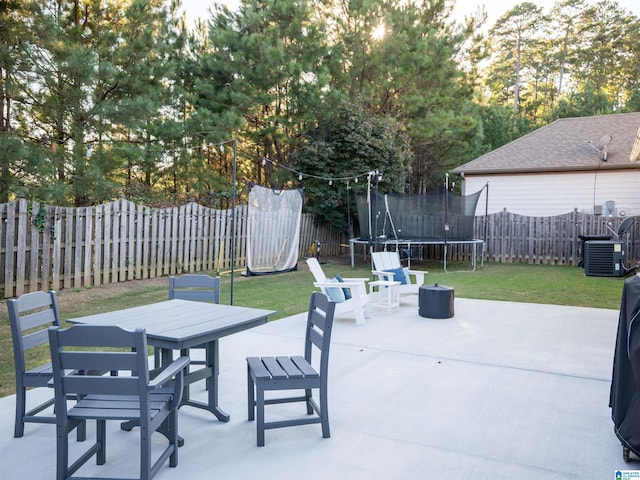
x: 221, y: 148
x: 300, y: 177
x: 264, y: 161
x: 355, y: 180
x: 330, y: 182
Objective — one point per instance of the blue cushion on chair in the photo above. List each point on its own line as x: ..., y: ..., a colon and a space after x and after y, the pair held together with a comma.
x: 335, y: 294
x: 347, y: 293
x: 398, y: 275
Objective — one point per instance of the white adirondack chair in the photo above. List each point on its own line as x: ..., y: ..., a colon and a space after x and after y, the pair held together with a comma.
x: 357, y: 287
x: 383, y: 262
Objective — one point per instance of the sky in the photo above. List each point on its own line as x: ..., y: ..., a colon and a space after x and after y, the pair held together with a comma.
x: 199, y: 8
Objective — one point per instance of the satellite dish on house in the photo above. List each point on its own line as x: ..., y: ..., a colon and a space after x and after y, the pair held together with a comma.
x: 604, y: 141
x: 625, y: 226
x: 635, y: 151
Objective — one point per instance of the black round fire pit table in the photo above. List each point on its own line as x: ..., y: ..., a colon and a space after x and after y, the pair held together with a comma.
x: 435, y: 301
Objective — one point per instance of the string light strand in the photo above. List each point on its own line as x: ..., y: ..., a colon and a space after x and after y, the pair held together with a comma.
x: 302, y: 175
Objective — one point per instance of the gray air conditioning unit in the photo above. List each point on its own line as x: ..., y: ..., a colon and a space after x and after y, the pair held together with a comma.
x: 603, y: 258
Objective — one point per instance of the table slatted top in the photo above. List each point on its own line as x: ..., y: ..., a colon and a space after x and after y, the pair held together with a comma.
x: 181, y: 323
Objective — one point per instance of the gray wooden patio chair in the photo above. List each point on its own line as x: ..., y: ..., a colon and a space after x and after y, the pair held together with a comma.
x: 30, y: 315
x: 295, y: 373
x: 130, y: 396
x: 198, y: 288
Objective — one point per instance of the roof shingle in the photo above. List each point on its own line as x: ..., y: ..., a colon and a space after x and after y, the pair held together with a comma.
x: 563, y: 145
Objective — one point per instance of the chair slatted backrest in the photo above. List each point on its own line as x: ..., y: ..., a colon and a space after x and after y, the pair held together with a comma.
x: 317, y: 272
x: 30, y: 316
x: 318, y: 332
x: 84, y: 348
x: 316, y: 269
x: 386, y: 260
x: 200, y: 288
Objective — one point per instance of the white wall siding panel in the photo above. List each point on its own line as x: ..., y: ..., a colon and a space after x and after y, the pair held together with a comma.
x: 551, y: 194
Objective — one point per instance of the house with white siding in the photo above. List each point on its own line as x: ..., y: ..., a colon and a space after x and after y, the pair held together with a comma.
x: 570, y: 164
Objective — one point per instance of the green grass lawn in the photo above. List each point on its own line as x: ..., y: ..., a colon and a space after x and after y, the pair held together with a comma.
x: 288, y: 293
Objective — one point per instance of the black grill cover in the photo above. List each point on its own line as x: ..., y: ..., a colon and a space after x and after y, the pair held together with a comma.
x: 624, y: 398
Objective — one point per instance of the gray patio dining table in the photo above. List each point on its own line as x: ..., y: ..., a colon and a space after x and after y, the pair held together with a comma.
x: 180, y: 324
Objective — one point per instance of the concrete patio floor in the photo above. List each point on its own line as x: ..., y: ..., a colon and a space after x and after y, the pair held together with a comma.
x: 500, y: 391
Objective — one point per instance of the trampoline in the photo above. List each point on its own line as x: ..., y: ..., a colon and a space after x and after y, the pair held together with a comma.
x: 402, y: 222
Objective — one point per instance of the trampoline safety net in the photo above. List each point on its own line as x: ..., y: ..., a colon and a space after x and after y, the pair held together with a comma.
x: 273, y: 230
x: 432, y: 217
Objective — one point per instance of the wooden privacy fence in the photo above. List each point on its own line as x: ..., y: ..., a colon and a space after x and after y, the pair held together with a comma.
x: 43, y: 247
x: 46, y: 247
x: 512, y: 238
